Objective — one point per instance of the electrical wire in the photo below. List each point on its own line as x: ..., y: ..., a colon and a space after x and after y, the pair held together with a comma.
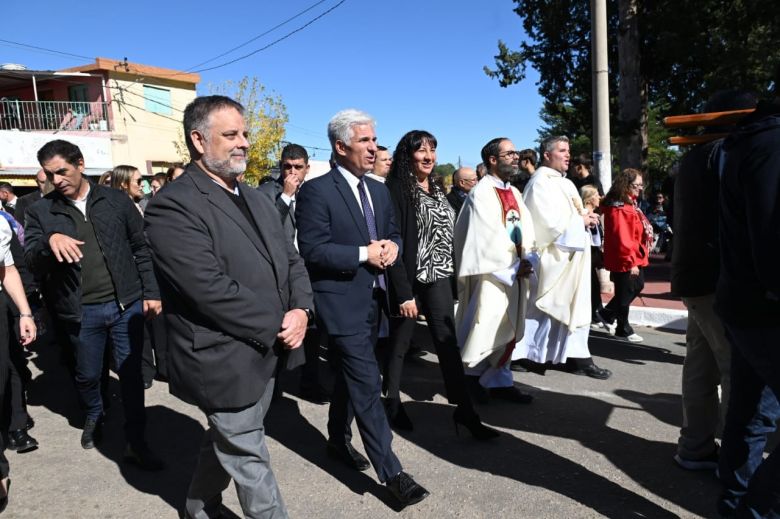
x: 272, y: 29
x: 45, y: 49
x: 278, y: 40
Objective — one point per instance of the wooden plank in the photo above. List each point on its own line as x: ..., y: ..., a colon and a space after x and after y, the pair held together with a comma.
x: 706, y: 119
x: 690, y: 140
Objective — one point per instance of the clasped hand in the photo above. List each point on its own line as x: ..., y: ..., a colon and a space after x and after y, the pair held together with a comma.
x: 382, y: 253
x: 293, y: 331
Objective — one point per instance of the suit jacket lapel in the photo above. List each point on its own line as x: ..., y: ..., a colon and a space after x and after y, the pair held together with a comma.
x: 218, y: 198
x: 352, y: 204
x: 261, y: 216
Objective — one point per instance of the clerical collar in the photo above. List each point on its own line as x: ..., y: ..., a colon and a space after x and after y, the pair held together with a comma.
x: 499, y: 183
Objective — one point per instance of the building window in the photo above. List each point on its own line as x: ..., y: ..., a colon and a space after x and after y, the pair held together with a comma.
x: 158, y: 100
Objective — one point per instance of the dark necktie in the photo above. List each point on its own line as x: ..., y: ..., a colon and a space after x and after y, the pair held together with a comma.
x: 368, y: 214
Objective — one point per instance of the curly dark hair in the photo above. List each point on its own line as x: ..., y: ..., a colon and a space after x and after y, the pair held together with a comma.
x: 402, y: 169
x: 621, y: 187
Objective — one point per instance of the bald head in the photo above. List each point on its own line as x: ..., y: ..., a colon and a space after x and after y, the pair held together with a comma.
x: 464, y: 178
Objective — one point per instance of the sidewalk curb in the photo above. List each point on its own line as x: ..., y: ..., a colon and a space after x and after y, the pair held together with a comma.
x: 666, y: 318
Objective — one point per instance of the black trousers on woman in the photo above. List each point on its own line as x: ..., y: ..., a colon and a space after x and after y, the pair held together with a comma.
x: 626, y: 290
x: 5, y: 371
x: 436, y: 302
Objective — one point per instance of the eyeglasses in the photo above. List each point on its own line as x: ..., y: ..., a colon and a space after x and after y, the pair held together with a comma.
x: 512, y: 153
x: 638, y: 186
x: 469, y: 180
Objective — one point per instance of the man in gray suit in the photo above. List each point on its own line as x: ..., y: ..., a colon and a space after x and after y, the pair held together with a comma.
x: 235, y: 294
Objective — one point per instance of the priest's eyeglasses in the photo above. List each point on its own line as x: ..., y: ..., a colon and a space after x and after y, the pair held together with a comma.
x: 512, y: 153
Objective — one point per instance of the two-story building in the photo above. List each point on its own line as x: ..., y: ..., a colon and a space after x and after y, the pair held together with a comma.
x: 117, y: 112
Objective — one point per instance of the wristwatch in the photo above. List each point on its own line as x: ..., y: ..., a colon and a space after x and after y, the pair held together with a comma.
x: 309, y: 313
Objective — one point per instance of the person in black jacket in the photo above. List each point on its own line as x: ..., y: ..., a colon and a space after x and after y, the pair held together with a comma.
x: 695, y: 269
x: 86, y: 244
x: 463, y: 180
x: 423, y: 279
x: 747, y: 299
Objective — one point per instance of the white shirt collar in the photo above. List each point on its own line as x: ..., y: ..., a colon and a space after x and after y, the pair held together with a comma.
x: 499, y: 183
x: 353, y: 179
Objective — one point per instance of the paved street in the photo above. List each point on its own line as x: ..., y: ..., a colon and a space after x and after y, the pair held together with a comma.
x: 584, y: 448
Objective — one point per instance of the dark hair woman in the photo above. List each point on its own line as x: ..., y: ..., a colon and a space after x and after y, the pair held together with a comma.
x: 424, y: 277
x: 628, y: 237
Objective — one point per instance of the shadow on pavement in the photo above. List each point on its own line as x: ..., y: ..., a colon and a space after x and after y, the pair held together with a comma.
x: 604, y: 345
x: 530, y: 464
x: 174, y: 437
x: 285, y: 424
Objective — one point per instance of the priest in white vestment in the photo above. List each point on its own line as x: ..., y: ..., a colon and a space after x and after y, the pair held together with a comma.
x: 493, y: 233
x: 558, y: 319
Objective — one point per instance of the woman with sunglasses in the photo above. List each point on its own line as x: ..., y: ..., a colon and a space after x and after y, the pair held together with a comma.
x: 628, y: 237
x: 128, y: 179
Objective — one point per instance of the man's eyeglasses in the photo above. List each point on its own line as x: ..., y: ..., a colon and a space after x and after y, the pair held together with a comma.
x: 513, y: 153
x: 469, y: 180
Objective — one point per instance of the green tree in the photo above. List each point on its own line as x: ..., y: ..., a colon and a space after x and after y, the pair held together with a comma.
x: 685, y: 50
x: 444, y: 171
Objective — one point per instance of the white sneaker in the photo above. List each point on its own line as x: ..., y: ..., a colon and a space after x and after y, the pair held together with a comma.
x: 611, y: 328
x: 634, y: 338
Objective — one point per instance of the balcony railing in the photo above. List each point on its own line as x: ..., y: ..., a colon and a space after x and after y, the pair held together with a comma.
x: 54, y: 115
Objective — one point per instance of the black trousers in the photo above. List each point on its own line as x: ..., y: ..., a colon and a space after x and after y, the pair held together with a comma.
x: 356, y: 394
x: 596, y: 262
x: 626, y: 290
x: 436, y: 302
x: 5, y: 363
x: 19, y: 375
x: 155, y: 354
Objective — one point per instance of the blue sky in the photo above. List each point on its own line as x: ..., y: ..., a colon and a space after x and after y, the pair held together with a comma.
x: 410, y: 64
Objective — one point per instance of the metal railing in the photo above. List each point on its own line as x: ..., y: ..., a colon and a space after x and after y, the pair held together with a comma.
x: 54, y: 115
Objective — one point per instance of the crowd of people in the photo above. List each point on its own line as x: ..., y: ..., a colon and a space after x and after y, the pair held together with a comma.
x: 218, y: 288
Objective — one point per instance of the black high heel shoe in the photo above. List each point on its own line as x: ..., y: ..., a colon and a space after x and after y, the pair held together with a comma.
x: 397, y: 416
x: 4, y: 500
x: 471, y: 421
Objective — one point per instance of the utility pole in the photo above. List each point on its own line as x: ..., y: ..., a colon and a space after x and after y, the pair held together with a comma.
x: 602, y: 156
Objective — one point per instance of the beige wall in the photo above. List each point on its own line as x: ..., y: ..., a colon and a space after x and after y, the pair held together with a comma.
x: 139, y: 135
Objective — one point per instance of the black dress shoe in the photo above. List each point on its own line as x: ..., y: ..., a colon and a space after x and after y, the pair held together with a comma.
x: 397, y: 416
x: 528, y: 365
x: 91, y: 434
x: 414, y: 352
x: 315, y: 395
x: 20, y: 441
x: 594, y: 371
x: 29, y: 424
x: 148, y: 384
x: 511, y: 394
x: 477, y: 390
x: 347, y: 453
x: 143, y: 457
x: 405, y: 489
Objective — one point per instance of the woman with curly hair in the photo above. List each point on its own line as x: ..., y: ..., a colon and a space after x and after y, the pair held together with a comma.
x: 423, y: 280
x: 628, y: 238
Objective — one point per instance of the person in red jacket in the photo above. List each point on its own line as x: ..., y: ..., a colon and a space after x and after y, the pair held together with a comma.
x: 627, y: 240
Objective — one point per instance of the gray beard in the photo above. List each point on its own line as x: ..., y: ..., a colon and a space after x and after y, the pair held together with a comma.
x: 505, y: 171
x: 222, y: 168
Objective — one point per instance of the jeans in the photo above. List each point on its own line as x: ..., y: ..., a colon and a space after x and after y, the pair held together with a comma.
x: 751, y: 484
x: 100, y: 322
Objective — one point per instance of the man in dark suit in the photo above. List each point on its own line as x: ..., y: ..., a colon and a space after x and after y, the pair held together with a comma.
x: 235, y: 293
x: 463, y: 180
x: 27, y: 200
x: 348, y: 236
x: 294, y: 166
